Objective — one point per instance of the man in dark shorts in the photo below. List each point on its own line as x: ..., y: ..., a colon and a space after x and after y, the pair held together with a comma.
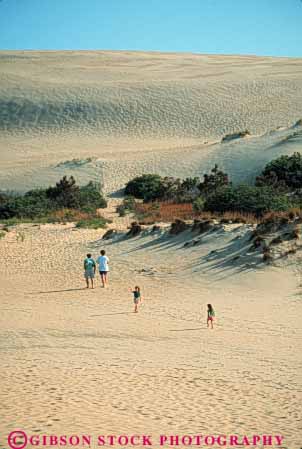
x: 102, y: 261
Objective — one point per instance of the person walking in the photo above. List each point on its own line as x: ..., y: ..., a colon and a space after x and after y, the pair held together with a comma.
x: 211, y: 315
x: 102, y: 261
x: 136, y: 297
x: 89, y: 270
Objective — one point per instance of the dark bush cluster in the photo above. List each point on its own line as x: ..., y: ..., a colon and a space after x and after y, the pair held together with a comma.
x: 214, y: 181
x: 284, y: 173
x: 151, y: 187
x: 128, y: 205
x: 66, y: 194
x: 278, y: 188
x: 146, y: 187
x: 247, y: 199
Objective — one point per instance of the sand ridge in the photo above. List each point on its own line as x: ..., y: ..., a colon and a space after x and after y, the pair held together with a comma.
x: 147, y: 95
x: 243, y: 159
x: 55, y: 106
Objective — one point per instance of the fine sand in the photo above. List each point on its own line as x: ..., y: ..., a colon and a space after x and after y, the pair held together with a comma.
x: 80, y: 361
x: 124, y: 113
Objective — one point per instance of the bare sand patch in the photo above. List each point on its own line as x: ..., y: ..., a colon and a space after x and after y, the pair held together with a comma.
x: 77, y: 359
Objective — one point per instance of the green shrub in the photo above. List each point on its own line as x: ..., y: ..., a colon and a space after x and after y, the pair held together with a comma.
x: 33, y: 204
x: 121, y: 210
x: 154, y: 187
x: 128, y: 205
x: 198, y: 204
x: 216, y: 179
x: 92, y: 223
x: 65, y: 193
x: 91, y: 198
x: 40, y: 203
x: 147, y: 187
x: 284, y: 172
x: 247, y: 199
x: 186, y: 191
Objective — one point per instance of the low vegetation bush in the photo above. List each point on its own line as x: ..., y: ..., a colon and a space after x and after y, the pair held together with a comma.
x: 237, y: 135
x: 91, y: 198
x: 278, y: 190
x: 178, y: 226
x: 128, y: 205
x: 61, y: 202
x: 214, y: 181
x: 146, y: 187
x: 163, y: 211
x: 285, y: 172
x: 285, y: 217
x: 152, y: 187
x: 198, y: 204
x: 135, y: 229
x: 247, y: 199
x: 92, y: 223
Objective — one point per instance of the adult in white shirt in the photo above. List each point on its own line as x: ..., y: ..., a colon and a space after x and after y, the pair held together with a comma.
x: 102, y: 261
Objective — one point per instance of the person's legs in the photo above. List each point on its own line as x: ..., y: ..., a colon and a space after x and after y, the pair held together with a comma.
x: 103, y: 279
x: 86, y: 279
x: 106, y: 278
x: 89, y: 275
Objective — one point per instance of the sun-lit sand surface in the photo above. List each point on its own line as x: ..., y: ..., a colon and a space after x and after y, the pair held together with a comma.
x: 134, y: 112
x: 78, y: 361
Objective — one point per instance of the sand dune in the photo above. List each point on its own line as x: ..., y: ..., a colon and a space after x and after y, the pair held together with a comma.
x: 148, y: 94
x: 243, y: 159
x: 116, y: 106
x: 78, y: 361
x: 74, y: 359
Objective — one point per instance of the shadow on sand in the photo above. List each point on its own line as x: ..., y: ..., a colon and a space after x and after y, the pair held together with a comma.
x: 60, y: 291
x: 230, y: 256
x: 115, y: 313
x: 186, y: 330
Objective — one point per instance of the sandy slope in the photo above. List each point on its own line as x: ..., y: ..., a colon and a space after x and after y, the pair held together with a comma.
x: 76, y: 360
x: 148, y: 108
x: 148, y: 94
x: 243, y: 160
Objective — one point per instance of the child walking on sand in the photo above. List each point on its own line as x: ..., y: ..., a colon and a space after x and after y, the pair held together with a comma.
x: 89, y: 270
x: 211, y: 315
x: 136, y: 297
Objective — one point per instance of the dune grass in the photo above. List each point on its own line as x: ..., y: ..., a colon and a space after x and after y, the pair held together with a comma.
x: 92, y: 223
x: 167, y: 212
